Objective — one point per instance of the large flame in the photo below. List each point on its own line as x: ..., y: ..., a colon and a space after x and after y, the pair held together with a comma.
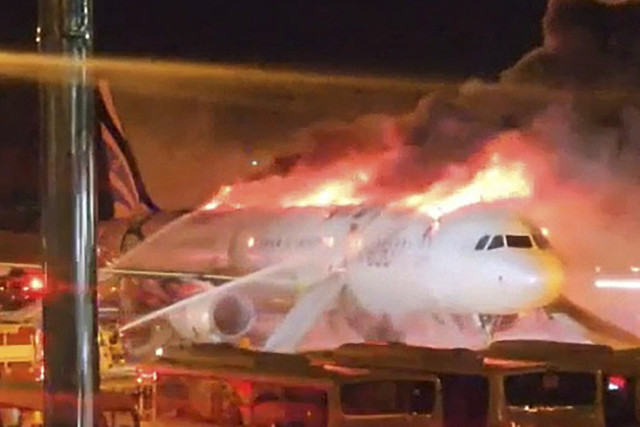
x: 495, y: 182
x: 489, y: 177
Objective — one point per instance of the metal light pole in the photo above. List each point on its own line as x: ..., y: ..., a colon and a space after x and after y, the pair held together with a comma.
x: 69, y: 218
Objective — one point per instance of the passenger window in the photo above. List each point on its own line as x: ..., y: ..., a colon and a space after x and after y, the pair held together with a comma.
x: 482, y: 243
x: 523, y: 242
x: 496, y: 242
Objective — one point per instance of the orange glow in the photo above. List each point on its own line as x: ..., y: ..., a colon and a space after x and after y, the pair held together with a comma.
x: 496, y: 182
x: 332, y: 193
x: 504, y: 169
x: 338, y: 185
x: 219, y: 199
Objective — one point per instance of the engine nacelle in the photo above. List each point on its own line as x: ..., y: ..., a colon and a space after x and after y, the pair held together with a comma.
x: 226, y: 317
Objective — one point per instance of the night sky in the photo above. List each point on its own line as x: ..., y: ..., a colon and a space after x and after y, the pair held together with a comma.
x: 427, y: 38
x: 433, y: 37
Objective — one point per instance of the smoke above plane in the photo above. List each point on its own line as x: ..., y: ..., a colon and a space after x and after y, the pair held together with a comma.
x: 557, y: 134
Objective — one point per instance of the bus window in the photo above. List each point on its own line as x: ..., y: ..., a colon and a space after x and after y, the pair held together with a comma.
x: 465, y: 400
x: 550, y: 389
x: 417, y: 397
x: 305, y: 395
x: 388, y: 397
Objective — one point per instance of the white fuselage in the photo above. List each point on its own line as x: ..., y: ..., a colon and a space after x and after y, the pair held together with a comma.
x: 394, y: 262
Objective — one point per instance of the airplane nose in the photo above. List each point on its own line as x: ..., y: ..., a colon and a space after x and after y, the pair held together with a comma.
x: 539, y: 278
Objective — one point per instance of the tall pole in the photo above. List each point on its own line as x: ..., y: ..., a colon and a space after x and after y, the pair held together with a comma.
x: 69, y: 218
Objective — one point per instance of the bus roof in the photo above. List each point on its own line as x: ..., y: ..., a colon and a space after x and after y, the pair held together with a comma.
x: 229, y: 362
x: 31, y: 396
x: 566, y: 356
x: 400, y: 356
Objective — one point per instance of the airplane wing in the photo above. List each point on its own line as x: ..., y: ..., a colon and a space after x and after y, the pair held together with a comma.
x: 598, y: 329
x: 278, y: 276
x: 304, y: 315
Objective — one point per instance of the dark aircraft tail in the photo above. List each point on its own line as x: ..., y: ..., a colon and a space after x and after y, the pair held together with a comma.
x: 121, y: 190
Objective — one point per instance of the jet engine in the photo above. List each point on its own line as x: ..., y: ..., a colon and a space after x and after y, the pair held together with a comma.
x: 225, y: 318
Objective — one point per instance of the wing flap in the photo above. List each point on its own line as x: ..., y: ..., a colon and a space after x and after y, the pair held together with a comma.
x: 599, y: 330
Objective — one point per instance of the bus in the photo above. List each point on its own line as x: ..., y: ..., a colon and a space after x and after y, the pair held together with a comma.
x: 511, y: 384
x: 227, y: 386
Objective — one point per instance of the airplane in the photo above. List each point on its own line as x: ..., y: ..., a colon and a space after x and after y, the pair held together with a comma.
x: 285, y: 268
x: 366, y: 262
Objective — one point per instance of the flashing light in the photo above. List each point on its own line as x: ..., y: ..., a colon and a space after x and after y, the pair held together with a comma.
x: 598, y: 269
x: 616, y: 383
x: 36, y: 283
x: 544, y: 231
x: 254, y: 163
x: 251, y: 242
x: 635, y: 269
x: 159, y: 351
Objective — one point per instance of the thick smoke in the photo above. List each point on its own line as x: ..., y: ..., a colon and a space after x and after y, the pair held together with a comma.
x: 586, y: 43
x: 561, y: 110
x: 570, y: 110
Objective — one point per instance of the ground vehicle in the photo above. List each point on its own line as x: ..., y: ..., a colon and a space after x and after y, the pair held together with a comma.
x: 21, y: 350
x: 514, y: 384
x: 565, y: 389
x: 232, y: 387
x: 19, y: 354
x: 21, y: 404
x: 622, y: 389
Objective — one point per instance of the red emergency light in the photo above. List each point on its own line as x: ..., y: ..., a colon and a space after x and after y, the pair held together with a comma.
x: 616, y: 383
x: 36, y: 284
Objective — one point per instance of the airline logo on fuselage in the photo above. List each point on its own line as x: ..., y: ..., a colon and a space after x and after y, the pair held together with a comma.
x: 305, y: 242
x: 383, y: 251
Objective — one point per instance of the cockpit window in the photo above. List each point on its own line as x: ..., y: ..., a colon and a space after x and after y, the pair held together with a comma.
x: 541, y: 241
x: 496, y: 242
x: 519, y: 241
x: 482, y: 243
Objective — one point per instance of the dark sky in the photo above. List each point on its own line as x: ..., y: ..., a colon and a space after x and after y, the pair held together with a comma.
x: 434, y: 37
x: 429, y: 38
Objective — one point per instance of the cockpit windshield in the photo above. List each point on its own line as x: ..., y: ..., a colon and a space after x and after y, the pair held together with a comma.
x: 496, y: 242
x: 482, y: 243
x: 521, y: 241
x: 518, y: 241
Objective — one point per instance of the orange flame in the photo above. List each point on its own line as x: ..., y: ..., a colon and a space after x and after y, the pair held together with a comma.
x: 496, y: 177
x: 339, y: 185
x: 496, y: 182
x: 339, y: 192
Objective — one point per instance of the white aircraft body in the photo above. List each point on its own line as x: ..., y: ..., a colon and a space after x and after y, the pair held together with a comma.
x: 380, y: 272
x: 373, y: 262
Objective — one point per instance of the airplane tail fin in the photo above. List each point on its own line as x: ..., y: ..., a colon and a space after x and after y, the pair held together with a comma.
x: 125, y: 194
